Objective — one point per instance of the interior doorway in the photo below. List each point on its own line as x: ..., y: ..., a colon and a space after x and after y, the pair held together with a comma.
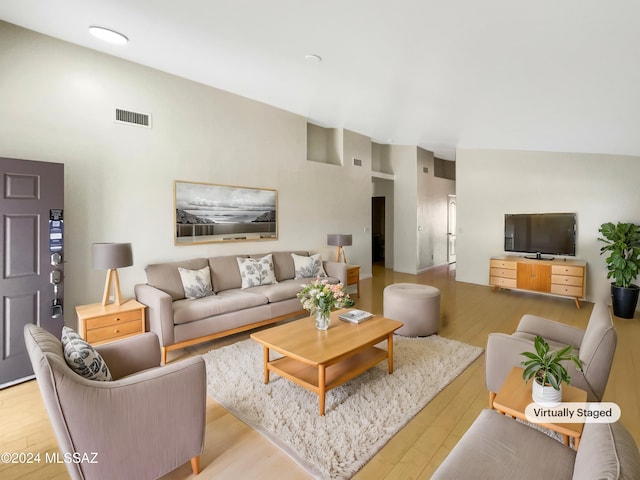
x: 451, y: 229
x: 378, y: 205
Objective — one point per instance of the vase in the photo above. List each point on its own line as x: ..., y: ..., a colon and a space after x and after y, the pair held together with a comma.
x: 546, y: 395
x: 322, y: 319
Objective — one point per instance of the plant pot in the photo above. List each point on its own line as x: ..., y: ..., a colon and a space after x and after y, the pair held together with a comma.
x: 624, y: 300
x: 545, y: 395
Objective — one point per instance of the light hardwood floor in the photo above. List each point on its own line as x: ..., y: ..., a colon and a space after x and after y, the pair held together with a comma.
x: 234, y: 451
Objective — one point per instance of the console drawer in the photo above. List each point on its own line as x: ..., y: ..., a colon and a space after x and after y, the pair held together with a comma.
x: 569, y: 291
x: 503, y: 272
x: 503, y: 282
x: 508, y: 264
x: 567, y: 270
x: 566, y: 280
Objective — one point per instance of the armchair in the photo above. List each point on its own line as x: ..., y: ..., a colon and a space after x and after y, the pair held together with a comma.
x: 594, y: 346
x: 146, y: 422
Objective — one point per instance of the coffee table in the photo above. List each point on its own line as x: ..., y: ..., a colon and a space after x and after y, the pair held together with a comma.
x: 515, y: 394
x: 322, y: 360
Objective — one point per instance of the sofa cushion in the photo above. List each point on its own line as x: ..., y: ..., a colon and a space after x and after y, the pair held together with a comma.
x: 607, y: 451
x: 165, y: 276
x: 185, y: 311
x: 82, y: 358
x: 225, y: 273
x: 257, y: 271
x: 283, y: 264
x: 308, y: 267
x: 196, y: 283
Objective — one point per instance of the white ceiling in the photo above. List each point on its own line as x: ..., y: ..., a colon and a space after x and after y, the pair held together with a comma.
x: 553, y: 75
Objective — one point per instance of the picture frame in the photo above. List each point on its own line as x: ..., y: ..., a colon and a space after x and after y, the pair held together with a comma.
x: 209, y: 212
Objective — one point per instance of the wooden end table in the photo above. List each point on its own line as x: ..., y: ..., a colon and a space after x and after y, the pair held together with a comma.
x: 99, y: 323
x: 353, y: 277
x: 515, y: 394
x: 322, y: 360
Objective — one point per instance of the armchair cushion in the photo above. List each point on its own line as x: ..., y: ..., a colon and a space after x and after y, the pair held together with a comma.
x: 82, y: 358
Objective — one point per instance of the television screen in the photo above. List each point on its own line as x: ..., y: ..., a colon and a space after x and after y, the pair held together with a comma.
x: 545, y: 233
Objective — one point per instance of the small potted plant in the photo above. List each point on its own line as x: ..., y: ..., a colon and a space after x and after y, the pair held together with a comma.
x: 547, y: 371
x: 622, y: 243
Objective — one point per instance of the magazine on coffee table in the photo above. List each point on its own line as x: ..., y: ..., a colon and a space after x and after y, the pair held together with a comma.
x: 355, y: 316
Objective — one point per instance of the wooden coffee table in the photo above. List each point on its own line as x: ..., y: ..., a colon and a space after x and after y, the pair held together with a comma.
x: 322, y: 360
x: 515, y: 395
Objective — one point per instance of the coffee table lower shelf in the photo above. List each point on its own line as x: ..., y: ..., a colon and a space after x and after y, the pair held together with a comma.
x: 320, y: 378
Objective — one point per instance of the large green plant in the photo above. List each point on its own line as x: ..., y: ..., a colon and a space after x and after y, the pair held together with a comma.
x: 622, y: 243
x: 546, y: 366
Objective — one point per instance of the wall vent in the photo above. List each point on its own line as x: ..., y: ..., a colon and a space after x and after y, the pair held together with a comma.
x: 357, y: 162
x: 129, y: 117
x: 425, y: 169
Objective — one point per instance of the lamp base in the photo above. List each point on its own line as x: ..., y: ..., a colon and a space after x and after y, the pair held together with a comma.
x: 339, y: 251
x: 112, y: 276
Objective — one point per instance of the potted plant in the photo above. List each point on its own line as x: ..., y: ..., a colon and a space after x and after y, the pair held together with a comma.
x: 622, y: 243
x: 547, y: 371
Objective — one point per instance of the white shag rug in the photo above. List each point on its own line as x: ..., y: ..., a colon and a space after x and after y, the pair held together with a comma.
x: 361, y: 415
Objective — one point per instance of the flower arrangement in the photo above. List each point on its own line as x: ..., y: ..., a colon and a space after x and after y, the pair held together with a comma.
x: 321, y: 296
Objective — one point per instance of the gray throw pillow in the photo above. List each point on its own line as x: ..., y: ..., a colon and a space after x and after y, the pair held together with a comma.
x: 257, y: 271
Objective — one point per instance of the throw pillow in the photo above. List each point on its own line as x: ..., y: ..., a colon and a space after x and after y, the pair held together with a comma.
x: 82, y: 358
x: 196, y: 283
x: 257, y: 271
x: 308, y: 267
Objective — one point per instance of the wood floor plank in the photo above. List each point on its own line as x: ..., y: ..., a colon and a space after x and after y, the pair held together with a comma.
x: 469, y: 313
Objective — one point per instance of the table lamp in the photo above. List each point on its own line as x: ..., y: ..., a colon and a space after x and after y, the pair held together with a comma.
x: 340, y: 240
x: 111, y: 256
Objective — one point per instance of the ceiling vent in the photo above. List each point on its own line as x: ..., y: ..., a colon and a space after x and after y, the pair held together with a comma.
x: 129, y: 117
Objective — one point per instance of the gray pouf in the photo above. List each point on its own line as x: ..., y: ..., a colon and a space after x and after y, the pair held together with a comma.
x: 417, y: 306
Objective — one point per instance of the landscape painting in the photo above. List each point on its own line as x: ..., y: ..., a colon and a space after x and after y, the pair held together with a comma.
x: 208, y: 212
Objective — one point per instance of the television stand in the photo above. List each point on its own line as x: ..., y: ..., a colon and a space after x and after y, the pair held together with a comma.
x: 564, y: 277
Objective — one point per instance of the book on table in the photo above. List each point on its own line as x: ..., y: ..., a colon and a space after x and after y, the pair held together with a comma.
x: 355, y: 316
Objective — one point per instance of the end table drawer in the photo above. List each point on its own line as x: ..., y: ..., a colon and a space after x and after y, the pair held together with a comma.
x: 113, y: 332
x: 113, y: 319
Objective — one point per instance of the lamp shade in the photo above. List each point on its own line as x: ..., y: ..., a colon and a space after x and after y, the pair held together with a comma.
x: 106, y: 256
x: 339, y: 239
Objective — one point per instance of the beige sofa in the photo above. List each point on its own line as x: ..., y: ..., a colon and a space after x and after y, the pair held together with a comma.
x: 180, y: 322
x: 497, y: 447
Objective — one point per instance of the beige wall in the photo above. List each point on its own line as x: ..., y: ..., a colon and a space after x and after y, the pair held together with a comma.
x: 599, y: 188
x: 56, y: 104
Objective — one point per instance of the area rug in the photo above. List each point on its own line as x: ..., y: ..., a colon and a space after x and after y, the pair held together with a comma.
x: 361, y: 415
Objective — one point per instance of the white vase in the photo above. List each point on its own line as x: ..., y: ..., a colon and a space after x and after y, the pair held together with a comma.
x: 545, y: 395
x: 322, y: 320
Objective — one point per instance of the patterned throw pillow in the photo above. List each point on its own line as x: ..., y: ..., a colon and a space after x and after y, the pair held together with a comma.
x: 308, y: 267
x: 196, y: 283
x: 257, y: 271
x: 82, y: 358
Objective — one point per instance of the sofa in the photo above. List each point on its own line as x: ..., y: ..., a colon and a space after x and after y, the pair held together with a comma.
x: 498, y: 447
x: 233, y: 293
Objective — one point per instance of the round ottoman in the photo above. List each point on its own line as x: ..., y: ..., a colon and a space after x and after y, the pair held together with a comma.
x: 417, y: 306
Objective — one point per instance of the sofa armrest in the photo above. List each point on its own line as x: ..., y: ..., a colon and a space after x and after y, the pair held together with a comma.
x: 131, y: 355
x: 336, y: 270
x: 159, y: 312
x: 503, y: 352
x: 551, y: 330
x: 134, y: 415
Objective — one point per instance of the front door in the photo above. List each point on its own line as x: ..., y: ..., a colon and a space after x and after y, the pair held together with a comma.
x: 31, y: 261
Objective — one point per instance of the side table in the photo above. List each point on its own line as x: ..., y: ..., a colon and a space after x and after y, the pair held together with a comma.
x: 353, y: 276
x: 99, y: 323
x: 515, y: 394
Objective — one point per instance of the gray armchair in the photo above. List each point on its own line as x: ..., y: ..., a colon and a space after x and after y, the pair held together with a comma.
x: 146, y: 422
x: 595, y: 347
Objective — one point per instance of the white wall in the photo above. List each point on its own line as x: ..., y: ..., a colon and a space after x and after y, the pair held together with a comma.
x: 490, y: 183
x: 56, y: 104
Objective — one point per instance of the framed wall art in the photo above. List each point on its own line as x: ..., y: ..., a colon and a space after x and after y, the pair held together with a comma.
x: 207, y: 212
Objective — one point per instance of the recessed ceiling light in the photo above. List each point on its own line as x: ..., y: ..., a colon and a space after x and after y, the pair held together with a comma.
x: 312, y: 57
x: 108, y: 35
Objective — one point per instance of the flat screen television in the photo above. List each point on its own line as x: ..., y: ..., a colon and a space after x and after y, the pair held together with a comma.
x: 540, y: 233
